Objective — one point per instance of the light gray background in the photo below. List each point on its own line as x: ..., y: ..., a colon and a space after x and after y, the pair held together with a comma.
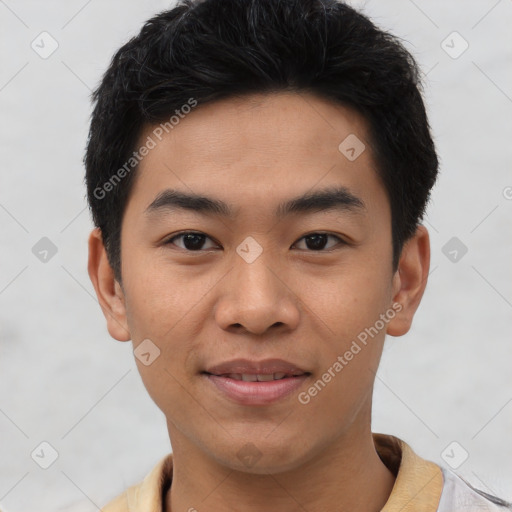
x: 66, y: 382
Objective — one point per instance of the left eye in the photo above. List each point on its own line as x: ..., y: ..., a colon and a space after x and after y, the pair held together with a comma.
x: 317, y: 241
x: 195, y: 241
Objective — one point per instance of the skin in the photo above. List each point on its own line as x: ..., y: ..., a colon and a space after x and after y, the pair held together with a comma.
x: 293, y: 302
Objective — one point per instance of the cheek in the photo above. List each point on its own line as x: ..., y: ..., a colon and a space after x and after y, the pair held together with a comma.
x: 169, y: 307
x: 160, y: 296
x: 346, y: 302
x: 345, y: 313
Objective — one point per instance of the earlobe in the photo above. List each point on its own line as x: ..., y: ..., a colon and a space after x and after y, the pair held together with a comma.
x: 109, y: 292
x: 410, y: 280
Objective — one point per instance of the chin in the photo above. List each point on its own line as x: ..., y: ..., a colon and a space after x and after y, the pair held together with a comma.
x: 264, y: 458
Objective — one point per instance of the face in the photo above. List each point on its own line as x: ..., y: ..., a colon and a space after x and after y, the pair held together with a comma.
x: 257, y: 279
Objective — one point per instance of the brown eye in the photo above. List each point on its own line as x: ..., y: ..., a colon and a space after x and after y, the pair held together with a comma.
x: 318, y: 241
x: 192, y: 241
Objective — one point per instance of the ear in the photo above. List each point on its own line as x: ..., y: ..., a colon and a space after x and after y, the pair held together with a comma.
x: 410, y: 280
x: 108, y: 290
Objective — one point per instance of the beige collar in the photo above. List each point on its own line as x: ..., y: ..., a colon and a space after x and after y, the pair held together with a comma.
x: 417, y: 488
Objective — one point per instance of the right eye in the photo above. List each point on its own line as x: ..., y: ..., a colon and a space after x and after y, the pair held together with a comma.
x: 192, y: 241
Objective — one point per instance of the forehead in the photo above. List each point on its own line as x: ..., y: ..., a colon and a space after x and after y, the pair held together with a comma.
x: 262, y: 148
x: 253, y: 125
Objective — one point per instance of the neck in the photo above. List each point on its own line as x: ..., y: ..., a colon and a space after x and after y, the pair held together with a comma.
x: 347, y: 475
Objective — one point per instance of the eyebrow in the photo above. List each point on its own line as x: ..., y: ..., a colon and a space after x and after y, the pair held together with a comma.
x: 332, y: 198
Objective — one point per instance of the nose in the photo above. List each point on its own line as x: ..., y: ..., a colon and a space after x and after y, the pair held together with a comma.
x: 256, y: 297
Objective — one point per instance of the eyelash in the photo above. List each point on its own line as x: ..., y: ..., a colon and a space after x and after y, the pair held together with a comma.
x: 169, y: 241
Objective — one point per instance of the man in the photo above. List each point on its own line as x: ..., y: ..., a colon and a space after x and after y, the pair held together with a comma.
x: 257, y: 171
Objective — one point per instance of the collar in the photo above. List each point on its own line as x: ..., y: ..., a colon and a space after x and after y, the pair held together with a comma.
x: 418, y: 485
x: 419, y: 482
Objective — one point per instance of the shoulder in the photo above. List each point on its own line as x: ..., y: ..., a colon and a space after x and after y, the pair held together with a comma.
x: 459, y: 495
x: 148, y: 495
x: 121, y: 503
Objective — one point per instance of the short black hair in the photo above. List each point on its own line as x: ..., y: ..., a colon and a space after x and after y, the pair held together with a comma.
x: 207, y: 50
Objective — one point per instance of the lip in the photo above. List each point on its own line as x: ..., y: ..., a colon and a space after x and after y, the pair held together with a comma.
x: 247, y: 366
x: 256, y: 393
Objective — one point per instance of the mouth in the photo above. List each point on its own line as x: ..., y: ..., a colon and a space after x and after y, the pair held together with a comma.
x: 252, y: 382
x: 259, y: 377
x: 255, y: 389
x: 252, y: 370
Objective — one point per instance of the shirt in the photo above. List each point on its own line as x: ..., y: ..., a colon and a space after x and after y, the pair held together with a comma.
x: 420, y: 485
